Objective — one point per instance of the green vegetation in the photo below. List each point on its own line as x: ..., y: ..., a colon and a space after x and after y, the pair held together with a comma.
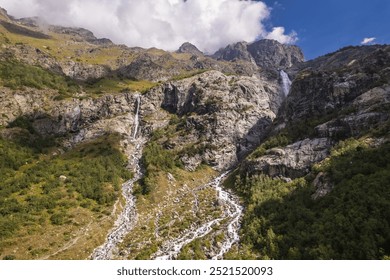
x: 189, y: 74
x: 118, y: 85
x: 19, y: 30
x: 279, y: 140
x: 282, y: 220
x: 37, y: 190
x: 155, y: 159
x: 16, y: 75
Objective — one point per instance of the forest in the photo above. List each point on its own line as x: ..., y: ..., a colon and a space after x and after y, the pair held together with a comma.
x: 284, y: 221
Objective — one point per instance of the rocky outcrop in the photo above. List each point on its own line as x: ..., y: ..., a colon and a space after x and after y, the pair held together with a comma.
x: 4, y: 14
x: 225, y: 116
x: 84, y: 72
x: 350, y: 98
x: 353, y: 125
x: 76, y: 120
x: 75, y: 70
x: 80, y: 35
x: 271, y: 54
x: 292, y: 161
x: 323, y: 185
x: 267, y: 54
x: 238, y: 51
x: 190, y: 49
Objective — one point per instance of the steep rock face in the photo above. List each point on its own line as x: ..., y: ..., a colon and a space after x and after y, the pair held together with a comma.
x: 234, y: 52
x: 292, y: 161
x: 76, y: 120
x: 225, y: 115
x: 267, y: 54
x: 351, y: 98
x: 341, y: 95
x: 271, y: 54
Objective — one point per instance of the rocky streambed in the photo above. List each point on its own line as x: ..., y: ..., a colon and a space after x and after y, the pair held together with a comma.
x: 232, y: 212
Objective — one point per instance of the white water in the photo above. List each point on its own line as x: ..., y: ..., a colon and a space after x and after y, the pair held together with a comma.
x: 127, y: 219
x: 172, y: 248
x: 234, y: 211
x: 286, y: 82
x: 136, y: 118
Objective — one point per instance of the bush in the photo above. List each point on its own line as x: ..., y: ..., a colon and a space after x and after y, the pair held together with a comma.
x: 58, y: 218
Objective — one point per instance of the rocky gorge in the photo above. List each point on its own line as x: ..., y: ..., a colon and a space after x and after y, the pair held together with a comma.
x: 277, y: 124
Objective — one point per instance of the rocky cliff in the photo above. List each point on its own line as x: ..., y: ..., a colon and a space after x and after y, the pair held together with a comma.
x: 341, y: 95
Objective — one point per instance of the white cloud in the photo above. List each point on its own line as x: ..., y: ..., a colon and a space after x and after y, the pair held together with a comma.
x: 368, y: 40
x: 279, y: 35
x: 166, y: 24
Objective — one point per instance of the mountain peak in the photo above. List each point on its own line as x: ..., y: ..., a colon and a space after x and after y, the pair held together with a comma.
x: 264, y: 53
x: 270, y: 53
x: 189, y: 48
x: 234, y: 51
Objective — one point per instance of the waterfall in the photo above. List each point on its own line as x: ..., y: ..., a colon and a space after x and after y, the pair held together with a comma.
x: 286, y: 82
x: 136, y: 118
x: 128, y: 217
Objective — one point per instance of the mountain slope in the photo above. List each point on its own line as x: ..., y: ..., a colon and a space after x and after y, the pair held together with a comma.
x: 318, y: 187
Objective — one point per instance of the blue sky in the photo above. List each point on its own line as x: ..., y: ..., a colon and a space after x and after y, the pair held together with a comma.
x: 328, y: 25
x: 322, y: 26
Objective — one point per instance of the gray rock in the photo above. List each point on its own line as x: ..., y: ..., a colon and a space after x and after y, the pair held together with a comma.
x: 292, y: 161
x: 323, y: 186
x: 189, y: 48
x: 271, y: 54
x: 267, y: 54
x: 226, y: 116
x: 234, y: 52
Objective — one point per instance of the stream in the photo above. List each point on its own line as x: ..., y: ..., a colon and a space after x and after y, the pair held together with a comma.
x: 128, y: 217
x: 233, y: 211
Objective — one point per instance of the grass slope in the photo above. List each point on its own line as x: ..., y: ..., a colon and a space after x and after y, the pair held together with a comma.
x: 46, y: 199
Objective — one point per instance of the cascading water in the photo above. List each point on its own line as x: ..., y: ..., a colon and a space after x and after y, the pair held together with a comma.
x: 233, y: 212
x: 136, y: 118
x: 286, y: 82
x: 127, y: 219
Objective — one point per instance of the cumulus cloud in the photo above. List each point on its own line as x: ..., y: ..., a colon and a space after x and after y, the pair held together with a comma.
x: 279, y: 35
x: 166, y: 24
x: 368, y: 40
